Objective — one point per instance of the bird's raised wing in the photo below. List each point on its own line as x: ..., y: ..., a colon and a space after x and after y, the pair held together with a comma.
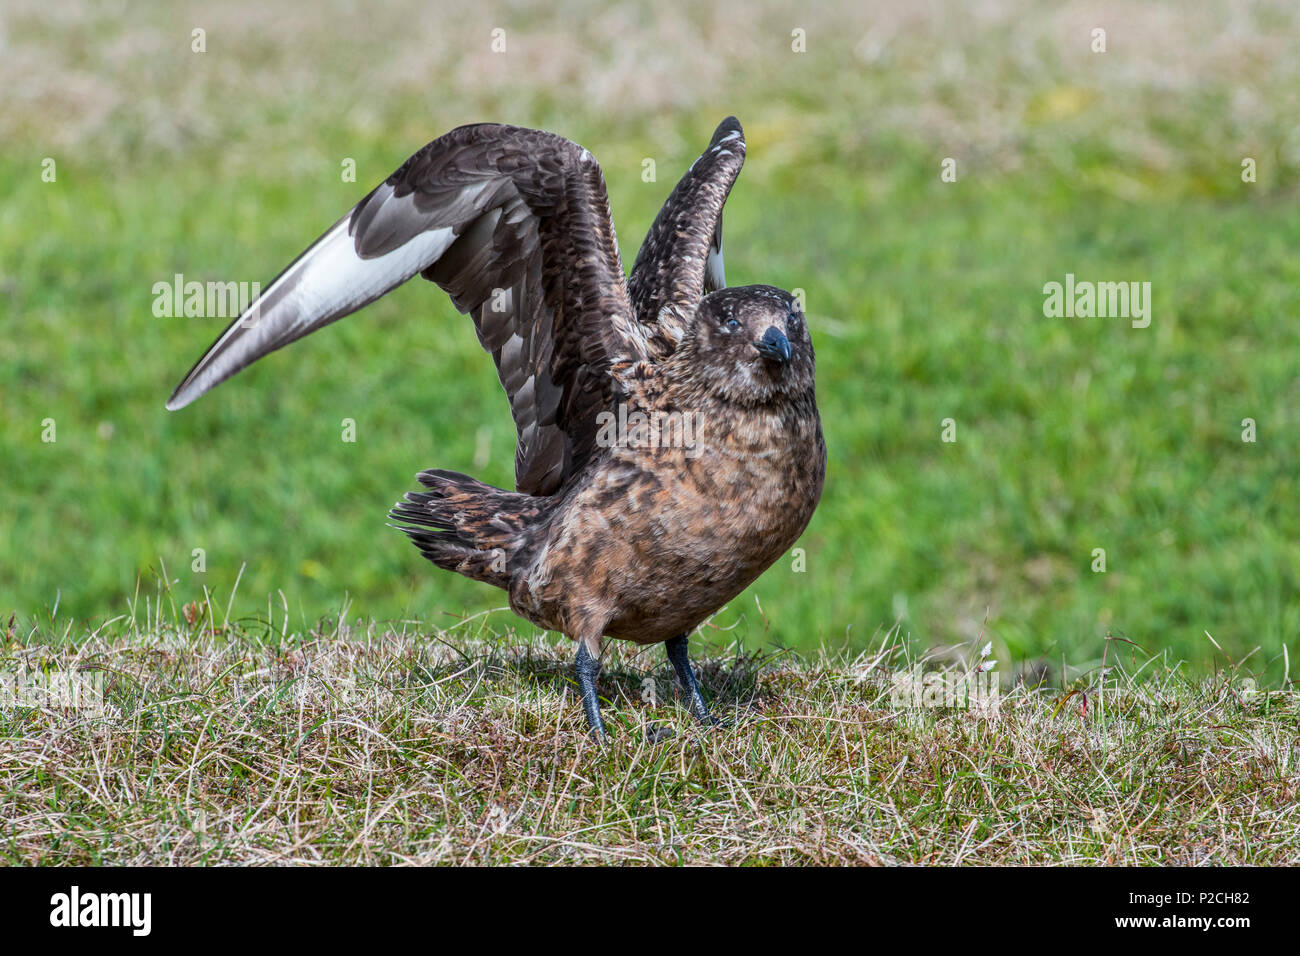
x: 514, y: 225
x: 681, y: 258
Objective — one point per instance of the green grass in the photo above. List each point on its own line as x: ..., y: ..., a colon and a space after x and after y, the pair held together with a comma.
x: 925, y: 301
x: 391, y: 744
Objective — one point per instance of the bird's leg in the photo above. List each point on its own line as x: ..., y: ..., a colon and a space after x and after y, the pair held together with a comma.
x: 588, y: 668
x: 676, y: 648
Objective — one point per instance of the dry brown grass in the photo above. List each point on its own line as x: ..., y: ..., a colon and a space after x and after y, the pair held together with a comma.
x: 380, y: 744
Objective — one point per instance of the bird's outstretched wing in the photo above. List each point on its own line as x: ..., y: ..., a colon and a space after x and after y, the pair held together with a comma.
x: 514, y: 225
x: 681, y: 258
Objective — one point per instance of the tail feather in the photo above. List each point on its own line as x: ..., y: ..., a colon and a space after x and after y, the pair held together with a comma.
x: 466, y: 526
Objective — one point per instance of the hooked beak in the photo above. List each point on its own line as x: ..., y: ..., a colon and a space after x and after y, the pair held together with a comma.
x: 774, y: 345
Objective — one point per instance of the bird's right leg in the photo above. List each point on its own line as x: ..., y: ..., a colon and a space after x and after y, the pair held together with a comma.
x: 676, y: 648
x: 588, y: 669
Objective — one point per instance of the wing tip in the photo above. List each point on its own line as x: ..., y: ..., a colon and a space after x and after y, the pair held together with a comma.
x: 728, y: 127
x: 182, y: 395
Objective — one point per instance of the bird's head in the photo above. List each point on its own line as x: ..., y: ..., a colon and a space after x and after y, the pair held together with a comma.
x: 751, y: 345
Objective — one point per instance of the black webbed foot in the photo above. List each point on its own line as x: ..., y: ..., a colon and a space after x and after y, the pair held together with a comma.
x: 658, y: 733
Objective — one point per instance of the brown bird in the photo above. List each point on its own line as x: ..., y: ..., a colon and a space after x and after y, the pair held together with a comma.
x: 669, y: 447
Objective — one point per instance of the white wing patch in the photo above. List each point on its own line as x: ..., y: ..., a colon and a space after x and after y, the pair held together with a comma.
x: 333, y: 278
x: 329, y: 281
x: 715, y: 276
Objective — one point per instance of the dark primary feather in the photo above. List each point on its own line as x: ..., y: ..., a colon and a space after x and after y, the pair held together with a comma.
x: 671, y: 273
x: 514, y: 224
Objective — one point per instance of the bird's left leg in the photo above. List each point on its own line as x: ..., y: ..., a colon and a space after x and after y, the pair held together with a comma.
x: 588, y: 669
x: 676, y: 648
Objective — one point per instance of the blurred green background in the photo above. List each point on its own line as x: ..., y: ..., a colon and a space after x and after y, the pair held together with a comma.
x: 925, y: 300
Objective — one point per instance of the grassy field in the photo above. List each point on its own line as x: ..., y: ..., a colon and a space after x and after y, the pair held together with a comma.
x: 926, y: 304
x: 219, y: 745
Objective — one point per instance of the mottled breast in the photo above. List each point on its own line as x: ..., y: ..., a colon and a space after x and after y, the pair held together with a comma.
x: 680, y: 517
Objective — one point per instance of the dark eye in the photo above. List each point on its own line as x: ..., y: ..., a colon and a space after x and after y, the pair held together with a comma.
x: 795, y: 322
x: 733, y: 324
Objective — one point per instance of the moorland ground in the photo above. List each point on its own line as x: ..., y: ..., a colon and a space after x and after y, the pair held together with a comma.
x: 217, y: 742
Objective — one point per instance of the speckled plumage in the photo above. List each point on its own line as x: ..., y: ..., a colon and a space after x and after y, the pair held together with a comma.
x: 669, y: 446
x: 651, y: 540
